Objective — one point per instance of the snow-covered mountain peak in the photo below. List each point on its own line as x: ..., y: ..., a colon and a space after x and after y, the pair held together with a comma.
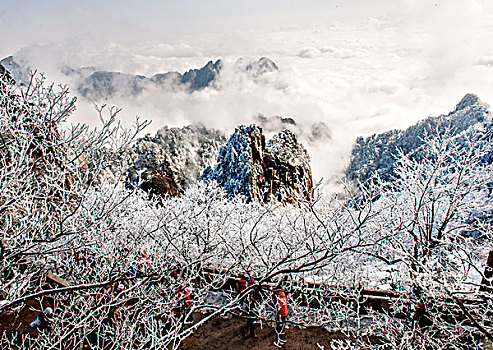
x: 378, y: 153
x: 469, y: 100
x: 287, y: 148
x: 18, y: 69
x: 180, y: 153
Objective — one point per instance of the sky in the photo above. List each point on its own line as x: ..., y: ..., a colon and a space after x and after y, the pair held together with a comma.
x: 359, y: 66
x: 118, y: 20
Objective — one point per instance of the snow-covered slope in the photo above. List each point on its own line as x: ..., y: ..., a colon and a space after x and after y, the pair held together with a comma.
x: 377, y: 154
x: 177, y: 153
x: 5, y: 76
x: 18, y: 70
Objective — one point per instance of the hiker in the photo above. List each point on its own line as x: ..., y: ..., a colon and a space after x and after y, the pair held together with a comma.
x: 184, y: 300
x: 141, y: 265
x: 42, y: 321
x: 252, y: 305
x: 244, y: 282
x: 421, y: 316
x: 115, y: 310
x: 281, y: 312
x: 177, y: 271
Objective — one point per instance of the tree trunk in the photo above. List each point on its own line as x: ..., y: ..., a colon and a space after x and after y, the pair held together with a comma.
x: 488, y: 274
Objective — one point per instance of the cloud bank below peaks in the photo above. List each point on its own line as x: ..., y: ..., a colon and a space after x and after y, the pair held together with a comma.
x: 357, y: 77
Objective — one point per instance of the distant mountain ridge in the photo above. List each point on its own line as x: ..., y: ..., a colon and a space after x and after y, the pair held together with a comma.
x: 98, y: 85
x: 377, y: 154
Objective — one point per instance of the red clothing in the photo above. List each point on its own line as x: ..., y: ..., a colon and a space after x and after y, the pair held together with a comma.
x: 420, y: 311
x: 282, y: 304
x: 184, y: 300
x: 145, y: 261
x: 184, y: 295
x: 187, y: 297
x: 244, y: 283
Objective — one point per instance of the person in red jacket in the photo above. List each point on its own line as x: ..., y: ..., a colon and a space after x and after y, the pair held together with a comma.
x: 184, y: 300
x: 244, y: 282
x: 281, y: 309
x: 422, y: 317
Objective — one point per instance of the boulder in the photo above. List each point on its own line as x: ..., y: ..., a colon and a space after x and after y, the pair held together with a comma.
x: 160, y: 184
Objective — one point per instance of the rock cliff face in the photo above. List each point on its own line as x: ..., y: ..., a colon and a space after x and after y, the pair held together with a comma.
x: 161, y: 184
x: 150, y: 170
x: 263, y: 171
x: 287, y: 168
x: 197, y: 79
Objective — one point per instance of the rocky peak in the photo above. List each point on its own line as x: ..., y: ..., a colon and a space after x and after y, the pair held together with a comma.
x: 285, y: 145
x: 19, y: 71
x: 274, y: 123
x: 262, y: 66
x: 99, y: 85
x: 201, y: 78
x: 235, y: 162
x: 276, y: 170
x: 168, y: 78
x: 467, y: 101
x: 103, y: 84
x: 311, y: 132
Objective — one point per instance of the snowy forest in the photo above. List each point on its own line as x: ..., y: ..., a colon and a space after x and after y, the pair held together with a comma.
x: 105, y: 265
